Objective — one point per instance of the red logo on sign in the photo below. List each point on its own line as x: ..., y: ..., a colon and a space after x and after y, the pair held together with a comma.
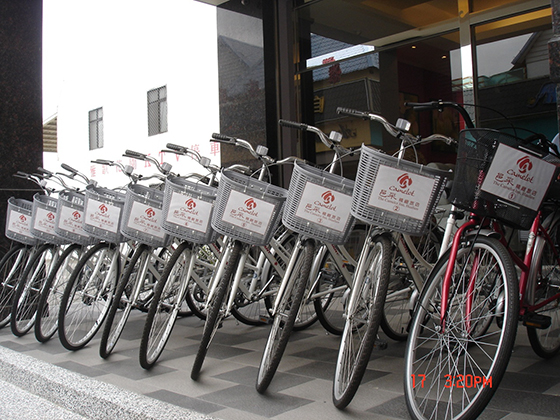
x: 150, y: 212
x: 524, y: 164
x: 76, y: 215
x: 250, y: 204
x: 103, y: 208
x: 404, y: 181
x: 328, y: 197
x: 22, y: 218
x: 190, y: 203
x: 50, y: 216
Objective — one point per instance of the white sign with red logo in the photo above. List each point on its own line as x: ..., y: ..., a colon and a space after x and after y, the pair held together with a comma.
x: 71, y: 220
x: 248, y: 212
x: 324, y: 206
x: 401, y: 192
x: 19, y: 223
x: 189, y: 212
x: 518, y: 177
x: 102, y: 215
x: 146, y: 219
x: 44, y: 221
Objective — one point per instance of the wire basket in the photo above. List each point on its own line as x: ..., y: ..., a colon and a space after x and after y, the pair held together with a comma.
x: 396, y: 194
x: 318, y: 204
x: 70, y: 218
x: 103, y: 213
x: 143, y: 215
x: 187, y: 210
x: 18, y: 221
x: 510, y: 188
x: 247, y: 209
x: 43, y: 219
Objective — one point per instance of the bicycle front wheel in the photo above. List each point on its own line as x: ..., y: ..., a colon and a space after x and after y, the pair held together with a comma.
x: 87, y: 297
x: 286, y: 315
x: 12, y: 266
x: 28, y: 292
x: 363, y: 316
x: 546, y: 341
x: 216, y: 309
x: 451, y: 368
x: 46, y: 323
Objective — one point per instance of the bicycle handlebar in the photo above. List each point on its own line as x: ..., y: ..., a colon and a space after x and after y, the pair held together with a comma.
x: 439, y: 105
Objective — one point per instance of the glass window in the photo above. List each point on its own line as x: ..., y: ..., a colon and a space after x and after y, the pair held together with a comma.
x: 157, y: 111
x: 96, y: 129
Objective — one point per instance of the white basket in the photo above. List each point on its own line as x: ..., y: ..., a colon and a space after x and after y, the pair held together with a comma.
x: 318, y: 204
x: 142, y: 216
x: 18, y: 221
x: 187, y: 210
x: 103, y: 213
x: 70, y: 217
x: 395, y: 194
x: 247, y: 209
x: 43, y: 219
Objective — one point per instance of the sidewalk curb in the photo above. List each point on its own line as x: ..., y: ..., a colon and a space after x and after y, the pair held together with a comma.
x: 82, y: 395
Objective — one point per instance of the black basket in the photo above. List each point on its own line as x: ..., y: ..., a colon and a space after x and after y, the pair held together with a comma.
x: 477, y: 150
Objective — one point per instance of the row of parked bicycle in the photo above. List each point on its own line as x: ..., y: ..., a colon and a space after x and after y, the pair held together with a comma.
x: 355, y: 255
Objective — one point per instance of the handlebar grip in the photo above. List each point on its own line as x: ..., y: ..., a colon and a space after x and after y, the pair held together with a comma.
x: 175, y: 147
x: 133, y: 154
x: 292, y: 124
x: 44, y: 171
x: 68, y: 168
x: 423, y: 106
x: 102, y: 161
x: 353, y: 113
x: 222, y: 138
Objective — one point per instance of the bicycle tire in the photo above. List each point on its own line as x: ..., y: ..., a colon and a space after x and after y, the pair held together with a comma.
x: 165, y: 305
x: 216, y: 309
x: 546, y: 342
x: 28, y: 291
x: 439, y: 354
x: 122, y: 303
x: 397, y: 311
x: 86, y: 300
x: 363, y: 317
x: 12, y: 266
x: 46, y: 323
x: 284, y: 320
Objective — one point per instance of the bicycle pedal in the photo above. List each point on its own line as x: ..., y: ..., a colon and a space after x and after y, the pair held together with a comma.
x: 380, y: 345
x: 266, y: 319
x: 536, y: 321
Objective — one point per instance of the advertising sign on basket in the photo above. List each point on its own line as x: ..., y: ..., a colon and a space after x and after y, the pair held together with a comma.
x: 44, y: 221
x: 145, y: 218
x: 248, y: 212
x: 103, y: 215
x: 518, y: 177
x: 324, y: 206
x: 401, y: 192
x: 19, y: 223
x: 71, y: 220
x: 190, y: 212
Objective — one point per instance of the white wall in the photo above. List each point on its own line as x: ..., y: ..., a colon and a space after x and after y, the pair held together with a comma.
x: 109, y: 54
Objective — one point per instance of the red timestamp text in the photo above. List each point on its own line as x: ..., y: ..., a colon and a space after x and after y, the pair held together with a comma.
x: 457, y: 381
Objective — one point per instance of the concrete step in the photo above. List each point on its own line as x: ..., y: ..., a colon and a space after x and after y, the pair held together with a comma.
x: 34, y: 389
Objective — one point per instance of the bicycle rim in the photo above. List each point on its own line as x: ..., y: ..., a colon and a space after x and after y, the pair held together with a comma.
x: 12, y: 267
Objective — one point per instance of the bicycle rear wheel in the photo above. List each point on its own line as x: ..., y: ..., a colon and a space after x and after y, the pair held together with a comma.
x: 168, y: 298
x: 363, y: 316
x: 451, y: 369
x: 28, y: 292
x: 546, y: 341
x: 12, y: 267
x: 288, y: 310
x: 87, y: 297
x: 46, y: 323
x: 216, y: 309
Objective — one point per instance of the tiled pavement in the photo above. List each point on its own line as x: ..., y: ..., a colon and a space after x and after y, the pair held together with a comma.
x: 302, y: 387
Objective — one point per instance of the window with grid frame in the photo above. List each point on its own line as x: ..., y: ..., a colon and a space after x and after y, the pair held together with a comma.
x: 96, y: 129
x: 157, y: 111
